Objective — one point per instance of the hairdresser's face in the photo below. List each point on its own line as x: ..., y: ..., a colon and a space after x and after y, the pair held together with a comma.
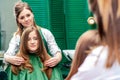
x: 33, y: 42
x: 25, y: 18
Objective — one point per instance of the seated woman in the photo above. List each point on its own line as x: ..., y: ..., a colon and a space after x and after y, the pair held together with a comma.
x: 32, y: 50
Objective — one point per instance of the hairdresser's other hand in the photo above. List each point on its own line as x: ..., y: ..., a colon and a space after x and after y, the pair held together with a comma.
x: 15, y: 60
x: 53, y: 61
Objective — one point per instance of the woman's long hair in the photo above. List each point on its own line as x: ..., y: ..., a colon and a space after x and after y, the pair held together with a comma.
x: 24, y: 53
x: 85, y: 44
x: 108, y: 18
x: 19, y: 7
x: 110, y: 14
x: 93, y: 6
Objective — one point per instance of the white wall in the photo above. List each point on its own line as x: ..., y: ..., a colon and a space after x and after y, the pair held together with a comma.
x: 7, y: 21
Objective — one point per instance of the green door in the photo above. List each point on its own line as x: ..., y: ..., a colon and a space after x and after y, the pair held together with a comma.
x: 57, y: 20
x: 76, y: 14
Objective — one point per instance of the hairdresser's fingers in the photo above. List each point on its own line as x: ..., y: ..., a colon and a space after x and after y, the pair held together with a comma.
x: 17, y: 60
x: 18, y: 63
x: 20, y: 59
x: 51, y: 62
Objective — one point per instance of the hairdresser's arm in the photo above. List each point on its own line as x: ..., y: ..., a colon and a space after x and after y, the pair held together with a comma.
x: 51, y: 43
x: 9, y: 56
x: 53, y: 48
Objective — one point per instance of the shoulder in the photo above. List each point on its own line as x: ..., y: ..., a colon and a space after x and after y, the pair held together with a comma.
x: 15, y: 39
x: 16, y: 36
x: 90, y: 61
x: 100, y: 49
x: 43, y: 30
x: 46, y: 31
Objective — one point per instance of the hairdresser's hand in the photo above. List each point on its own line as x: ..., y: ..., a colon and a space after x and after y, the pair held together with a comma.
x: 53, y: 61
x: 15, y: 60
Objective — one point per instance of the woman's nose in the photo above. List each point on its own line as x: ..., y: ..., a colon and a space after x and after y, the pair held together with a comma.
x: 32, y: 41
x: 26, y: 18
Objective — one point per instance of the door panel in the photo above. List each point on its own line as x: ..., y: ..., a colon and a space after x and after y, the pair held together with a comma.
x: 76, y: 14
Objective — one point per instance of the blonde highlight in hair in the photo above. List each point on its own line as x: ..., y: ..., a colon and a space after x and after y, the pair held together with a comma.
x: 118, y: 10
x: 105, y: 11
x: 109, y: 22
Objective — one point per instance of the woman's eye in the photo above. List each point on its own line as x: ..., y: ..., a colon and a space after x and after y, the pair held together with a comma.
x: 22, y: 17
x: 35, y: 38
x: 28, y: 15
